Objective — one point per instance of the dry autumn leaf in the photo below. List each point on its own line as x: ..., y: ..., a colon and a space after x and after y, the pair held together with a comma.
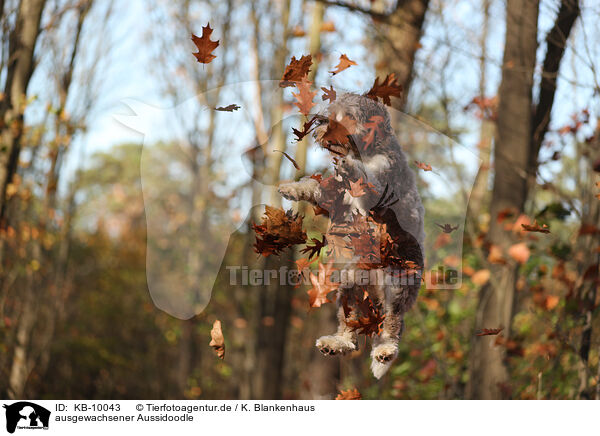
x: 278, y: 230
x: 229, y: 108
x: 388, y: 88
x: 535, y: 227
x: 447, y: 228
x: 423, y: 166
x: 488, y: 332
x: 305, y: 96
x: 329, y: 94
x: 217, y: 339
x: 344, y: 64
x: 322, y: 285
x: 350, y: 394
x: 374, y: 129
x: 204, y: 45
x: 295, y: 71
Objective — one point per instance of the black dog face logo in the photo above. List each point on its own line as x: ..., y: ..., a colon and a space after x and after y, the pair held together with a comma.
x: 26, y: 415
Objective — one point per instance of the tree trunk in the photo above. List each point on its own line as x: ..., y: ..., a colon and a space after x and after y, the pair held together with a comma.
x: 22, y: 43
x: 488, y: 373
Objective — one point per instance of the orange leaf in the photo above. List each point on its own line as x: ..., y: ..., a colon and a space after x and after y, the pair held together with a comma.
x: 423, y: 166
x: 305, y: 96
x: 344, y: 64
x: 217, y: 339
x: 350, y: 394
x: 205, y: 45
x: 322, y: 285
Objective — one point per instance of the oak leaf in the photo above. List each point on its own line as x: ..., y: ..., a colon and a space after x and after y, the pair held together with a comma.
x: 305, y: 96
x: 329, y: 94
x: 388, y: 88
x: 344, y: 64
x: 288, y: 157
x: 278, y: 230
x: 350, y: 394
x: 374, y: 129
x: 296, y: 70
x: 322, y: 285
x: 205, y: 45
x: 447, y: 228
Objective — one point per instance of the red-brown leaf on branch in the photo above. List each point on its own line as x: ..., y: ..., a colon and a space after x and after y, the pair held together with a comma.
x: 278, y: 230
x: 322, y: 285
x: 344, y: 64
x: 217, y: 340
x: 329, y: 94
x: 350, y: 394
x: 423, y: 166
x: 205, y: 45
x: 488, y: 332
x: 388, y: 88
x: 229, y: 108
x: 305, y: 96
x: 535, y: 227
x: 296, y: 71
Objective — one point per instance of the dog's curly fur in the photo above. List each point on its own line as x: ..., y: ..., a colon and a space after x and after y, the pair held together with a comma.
x: 384, y: 165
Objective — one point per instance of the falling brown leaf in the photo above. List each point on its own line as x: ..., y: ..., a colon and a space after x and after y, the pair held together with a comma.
x: 288, y: 157
x: 357, y: 189
x: 217, y: 339
x: 388, y: 88
x: 423, y: 166
x: 322, y: 285
x: 344, y: 64
x: 338, y: 131
x: 306, y: 129
x: 296, y: 70
x: 229, y: 108
x: 329, y: 94
x: 305, y: 96
x: 350, y: 394
x: 447, y: 228
x: 205, y: 45
x: 535, y: 227
x: 278, y: 230
x: 488, y: 332
x: 315, y: 249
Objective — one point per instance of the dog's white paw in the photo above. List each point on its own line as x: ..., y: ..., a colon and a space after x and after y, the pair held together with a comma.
x: 382, y: 357
x: 290, y: 191
x: 335, y: 344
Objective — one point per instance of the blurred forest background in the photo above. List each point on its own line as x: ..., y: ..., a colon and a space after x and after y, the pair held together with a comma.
x: 517, y: 82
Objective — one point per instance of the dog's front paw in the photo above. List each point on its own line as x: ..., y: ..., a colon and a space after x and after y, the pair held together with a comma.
x: 383, y: 355
x: 335, y: 344
x: 290, y: 191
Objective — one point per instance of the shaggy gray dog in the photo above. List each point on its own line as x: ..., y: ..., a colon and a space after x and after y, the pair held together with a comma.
x: 393, y: 200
